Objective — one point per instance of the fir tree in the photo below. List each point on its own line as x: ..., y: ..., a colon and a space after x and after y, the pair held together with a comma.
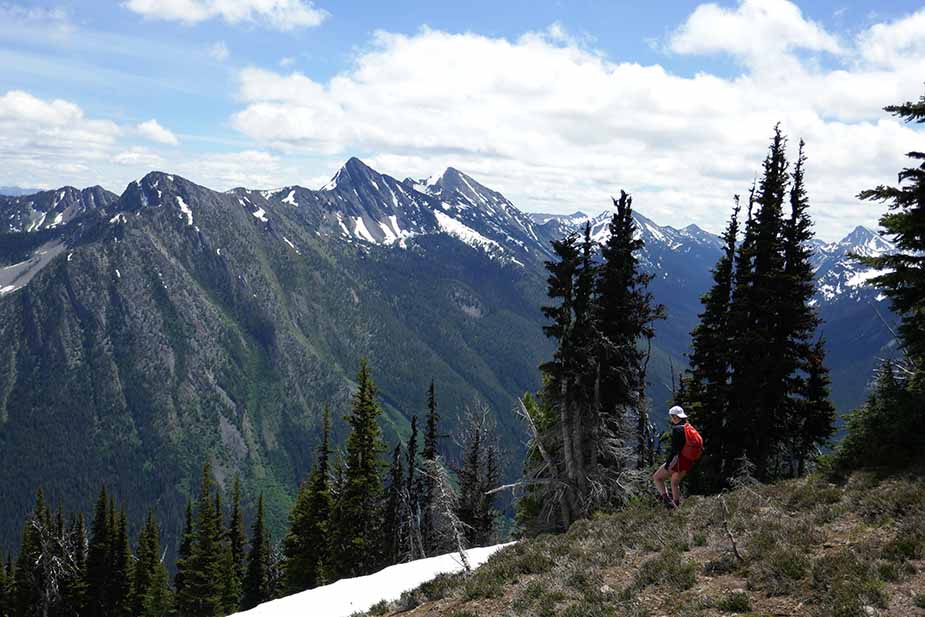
x: 305, y: 544
x: 256, y: 585
x: 99, y: 565
x: 236, y: 539
x: 147, y: 561
x: 706, y: 391
x: 31, y: 576
x: 427, y: 488
x: 120, y: 582
x: 10, y: 589
x: 903, y: 280
x: 357, y: 517
x: 391, y: 527
x: 202, y: 585
x: 625, y: 313
x: 74, y: 590
x: 183, y: 556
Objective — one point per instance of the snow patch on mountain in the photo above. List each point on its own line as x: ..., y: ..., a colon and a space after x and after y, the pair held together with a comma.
x: 185, y: 210
x: 462, y: 232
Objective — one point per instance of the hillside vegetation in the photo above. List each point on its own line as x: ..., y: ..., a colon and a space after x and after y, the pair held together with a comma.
x: 799, y: 547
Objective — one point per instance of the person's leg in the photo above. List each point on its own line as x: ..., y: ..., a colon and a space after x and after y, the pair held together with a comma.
x: 659, y: 477
x: 676, y: 478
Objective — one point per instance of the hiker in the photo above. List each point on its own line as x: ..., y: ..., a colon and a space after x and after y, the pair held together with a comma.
x: 686, y: 448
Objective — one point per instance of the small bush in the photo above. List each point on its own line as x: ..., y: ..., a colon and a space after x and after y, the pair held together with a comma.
x: 478, y: 587
x: 919, y: 600
x: 379, y: 608
x: 780, y: 571
x: 909, y: 542
x: 668, y: 567
x: 734, y: 602
x: 813, y: 492
x: 890, y: 500
x: 845, y: 582
x: 726, y: 564
x: 700, y: 538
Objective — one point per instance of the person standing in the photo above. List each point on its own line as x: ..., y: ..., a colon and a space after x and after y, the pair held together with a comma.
x: 686, y: 448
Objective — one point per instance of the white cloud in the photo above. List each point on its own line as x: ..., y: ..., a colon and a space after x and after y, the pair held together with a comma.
x: 219, y: 51
x: 760, y: 33
x: 139, y: 157
x: 558, y: 127
x: 279, y: 14
x: 287, y: 61
x: 896, y: 43
x: 49, y: 138
x: 155, y: 132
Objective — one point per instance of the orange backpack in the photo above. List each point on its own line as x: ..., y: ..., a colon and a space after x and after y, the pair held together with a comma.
x: 693, y: 443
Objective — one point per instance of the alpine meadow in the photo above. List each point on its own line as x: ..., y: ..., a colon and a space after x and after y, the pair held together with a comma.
x: 651, y: 340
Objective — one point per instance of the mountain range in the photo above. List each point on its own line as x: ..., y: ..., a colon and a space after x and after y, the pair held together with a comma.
x: 147, y: 331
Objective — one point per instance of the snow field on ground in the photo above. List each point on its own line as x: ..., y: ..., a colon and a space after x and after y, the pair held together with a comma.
x: 351, y: 595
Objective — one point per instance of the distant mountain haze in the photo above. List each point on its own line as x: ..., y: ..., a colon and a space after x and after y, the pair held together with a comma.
x: 148, y: 331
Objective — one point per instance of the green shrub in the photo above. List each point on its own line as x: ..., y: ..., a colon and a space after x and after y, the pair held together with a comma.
x: 909, y: 541
x: 669, y: 568
x: 700, y: 538
x: 919, y: 600
x: 813, y: 492
x: 780, y: 571
x: 724, y: 565
x: 478, y: 587
x: 845, y: 582
x: 734, y: 602
x: 379, y: 608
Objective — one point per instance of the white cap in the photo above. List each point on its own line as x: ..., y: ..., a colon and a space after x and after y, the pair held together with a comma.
x: 677, y: 411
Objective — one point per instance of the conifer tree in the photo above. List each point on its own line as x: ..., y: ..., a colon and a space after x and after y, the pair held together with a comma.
x: 74, y: 590
x: 31, y: 576
x: 148, y: 560
x: 120, y: 582
x: 183, y: 557
x: 256, y: 585
x: 202, y: 585
x: 411, y: 483
x: 305, y: 544
x: 236, y: 537
x: 391, y: 527
x: 903, y: 278
x: 99, y: 565
x: 625, y: 313
x: 759, y: 367
x: 706, y: 390
x: 427, y: 488
x: 357, y: 516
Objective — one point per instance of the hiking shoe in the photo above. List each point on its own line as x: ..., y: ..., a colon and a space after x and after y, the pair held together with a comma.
x: 667, y: 501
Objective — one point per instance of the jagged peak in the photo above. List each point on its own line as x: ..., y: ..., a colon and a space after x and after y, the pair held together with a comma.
x: 353, y: 170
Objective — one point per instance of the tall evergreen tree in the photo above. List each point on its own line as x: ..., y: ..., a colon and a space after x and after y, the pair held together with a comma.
x: 183, y: 557
x: 147, y: 561
x: 32, y: 575
x: 236, y: 537
x: 306, y: 543
x: 10, y: 589
x: 74, y: 590
x: 427, y: 488
x: 391, y: 526
x: 99, y: 564
x: 411, y: 483
x: 357, y: 517
x: 706, y: 389
x: 120, y: 582
x: 256, y: 586
x: 903, y: 278
x: 626, y: 312
x: 202, y: 584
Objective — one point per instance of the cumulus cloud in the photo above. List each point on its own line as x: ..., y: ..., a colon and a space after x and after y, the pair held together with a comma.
x: 895, y: 43
x: 155, y: 132
x: 557, y: 126
x: 39, y: 138
x: 139, y: 157
x: 759, y: 32
x: 279, y: 14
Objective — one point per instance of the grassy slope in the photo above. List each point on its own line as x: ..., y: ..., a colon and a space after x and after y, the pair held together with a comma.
x: 807, y: 548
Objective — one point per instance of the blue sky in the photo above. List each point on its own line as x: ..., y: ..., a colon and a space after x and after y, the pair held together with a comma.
x: 556, y: 104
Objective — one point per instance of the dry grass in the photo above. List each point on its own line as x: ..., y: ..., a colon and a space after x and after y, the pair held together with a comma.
x: 808, y: 548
